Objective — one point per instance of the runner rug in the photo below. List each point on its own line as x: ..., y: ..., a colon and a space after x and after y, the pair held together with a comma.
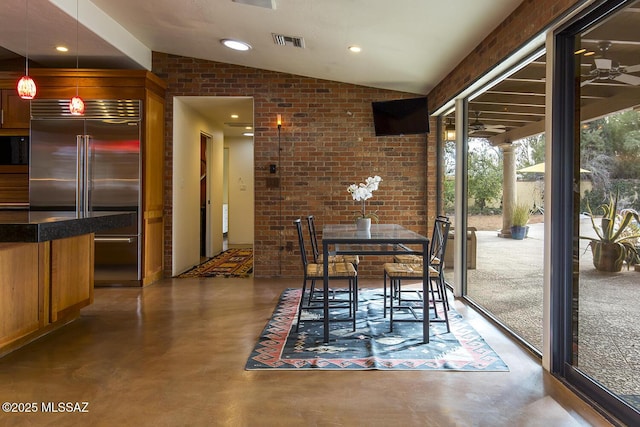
x: 371, y: 346
x: 230, y: 263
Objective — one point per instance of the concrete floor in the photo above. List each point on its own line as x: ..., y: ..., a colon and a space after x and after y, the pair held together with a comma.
x: 173, y: 354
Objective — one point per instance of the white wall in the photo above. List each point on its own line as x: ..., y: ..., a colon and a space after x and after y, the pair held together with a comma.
x: 188, y: 124
x: 241, y: 191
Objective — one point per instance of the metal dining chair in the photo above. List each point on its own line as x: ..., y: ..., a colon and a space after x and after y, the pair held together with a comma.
x: 398, y: 272
x: 318, y: 258
x: 337, y: 271
x: 416, y: 259
x: 433, y: 260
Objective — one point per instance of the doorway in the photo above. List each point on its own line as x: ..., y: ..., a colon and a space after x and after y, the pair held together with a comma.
x: 204, y: 199
x: 222, y: 120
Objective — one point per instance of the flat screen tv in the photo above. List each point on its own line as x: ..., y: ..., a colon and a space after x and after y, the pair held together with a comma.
x: 401, y: 116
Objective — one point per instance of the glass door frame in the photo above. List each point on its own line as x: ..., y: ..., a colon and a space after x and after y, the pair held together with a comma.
x: 565, y: 162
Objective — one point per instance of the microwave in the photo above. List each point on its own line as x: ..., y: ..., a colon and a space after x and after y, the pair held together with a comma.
x: 14, y: 150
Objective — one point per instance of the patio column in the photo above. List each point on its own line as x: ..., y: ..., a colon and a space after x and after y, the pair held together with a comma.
x: 508, y: 188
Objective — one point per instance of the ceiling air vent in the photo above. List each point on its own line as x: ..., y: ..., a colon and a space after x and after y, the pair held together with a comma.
x: 282, y: 40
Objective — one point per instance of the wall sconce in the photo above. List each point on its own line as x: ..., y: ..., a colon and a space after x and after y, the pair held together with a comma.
x: 279, y: 123
x: 449, y: 131
x: 26, y: 86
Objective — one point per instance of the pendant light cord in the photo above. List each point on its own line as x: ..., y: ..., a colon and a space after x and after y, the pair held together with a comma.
x: 77, y: 46
x: 26, y: 26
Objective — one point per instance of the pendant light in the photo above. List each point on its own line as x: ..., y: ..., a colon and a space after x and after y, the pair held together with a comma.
x: 26, y: 86
x: 76, y: 105
x: 449, y: 131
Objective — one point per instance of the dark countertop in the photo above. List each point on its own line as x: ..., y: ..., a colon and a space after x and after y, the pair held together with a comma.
x: 42, y: 226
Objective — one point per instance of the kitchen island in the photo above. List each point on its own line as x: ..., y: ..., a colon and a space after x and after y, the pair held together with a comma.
x: 46, y: 270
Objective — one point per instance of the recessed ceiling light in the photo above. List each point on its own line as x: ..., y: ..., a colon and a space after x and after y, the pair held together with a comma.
x: 589, y: 53
x: 234, y: 116
x: 248, y: 134
x: 235, y: 44
x: 355, y: 49
x: 62, y: 49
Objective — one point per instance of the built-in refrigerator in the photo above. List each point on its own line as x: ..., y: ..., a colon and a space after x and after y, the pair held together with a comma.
x: 87, y: 164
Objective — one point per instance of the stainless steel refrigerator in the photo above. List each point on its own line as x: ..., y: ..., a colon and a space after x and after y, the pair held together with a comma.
x: 91, y: 163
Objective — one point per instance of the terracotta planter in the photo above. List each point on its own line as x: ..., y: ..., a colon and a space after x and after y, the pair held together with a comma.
x: 607, y: 256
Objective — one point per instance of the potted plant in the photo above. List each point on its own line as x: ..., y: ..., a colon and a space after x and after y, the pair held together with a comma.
x: 614, y: 244
x: 361, y: 192
x: 519, y: 219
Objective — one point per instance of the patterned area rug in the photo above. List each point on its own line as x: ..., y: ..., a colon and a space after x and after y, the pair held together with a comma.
x: 371, y: 346
x: 230, y: 263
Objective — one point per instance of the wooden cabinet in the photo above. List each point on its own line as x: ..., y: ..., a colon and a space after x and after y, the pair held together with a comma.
x: 15, y: 112
x: 14, y: 185
x: 71, y: 275
x: 14, y: 121
x: 22, y: 295
x: 126, y: 84
x: 42, y: 287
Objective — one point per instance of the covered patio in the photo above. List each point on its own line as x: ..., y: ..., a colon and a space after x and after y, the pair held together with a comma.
x: 507, y: 284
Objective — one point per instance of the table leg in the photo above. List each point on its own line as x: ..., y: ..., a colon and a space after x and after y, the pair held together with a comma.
x: 325, y: 293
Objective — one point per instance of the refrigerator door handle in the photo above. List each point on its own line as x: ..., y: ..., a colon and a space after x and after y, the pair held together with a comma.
x: 88, y: 179
x: 80, y: 175
x: 115, y: 239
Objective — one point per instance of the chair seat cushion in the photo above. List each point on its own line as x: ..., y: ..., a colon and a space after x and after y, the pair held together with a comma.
x: 353, y: 259
x: 400, y: 270
x: 336, y: 269
x: 413, y: 259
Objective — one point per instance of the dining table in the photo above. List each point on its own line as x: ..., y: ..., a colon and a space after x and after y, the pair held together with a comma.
x: 380, y: 239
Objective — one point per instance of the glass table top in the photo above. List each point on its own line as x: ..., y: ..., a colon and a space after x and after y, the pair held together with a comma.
x: 389, y: 233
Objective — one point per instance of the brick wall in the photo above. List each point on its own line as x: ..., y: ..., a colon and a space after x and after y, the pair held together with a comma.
x: 327, y: 143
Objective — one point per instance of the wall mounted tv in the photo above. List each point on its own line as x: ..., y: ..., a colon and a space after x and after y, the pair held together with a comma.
x: 401, y: 116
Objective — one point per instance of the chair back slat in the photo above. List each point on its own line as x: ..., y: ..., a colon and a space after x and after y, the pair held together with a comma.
x: 303, y: 253
x: 313, y: 238
x: 439, y: 241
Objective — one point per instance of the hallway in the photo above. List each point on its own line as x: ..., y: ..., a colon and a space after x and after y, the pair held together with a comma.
x: 174, y: 354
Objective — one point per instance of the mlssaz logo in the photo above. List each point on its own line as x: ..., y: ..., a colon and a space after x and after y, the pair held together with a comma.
x: 65, y: 407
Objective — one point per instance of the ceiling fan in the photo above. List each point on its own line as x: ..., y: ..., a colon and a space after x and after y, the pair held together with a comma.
x: 478, y: 128
x: 608, y: 69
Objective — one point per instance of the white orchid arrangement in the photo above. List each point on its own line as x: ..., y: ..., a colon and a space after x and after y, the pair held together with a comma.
x: 363, y: 191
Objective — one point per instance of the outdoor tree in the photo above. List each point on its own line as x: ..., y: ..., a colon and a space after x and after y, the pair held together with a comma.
x: 485, y: 175
x: 622, y: 132
x: 449, y: 183
x: 530, y: 151
x: 610, y: 150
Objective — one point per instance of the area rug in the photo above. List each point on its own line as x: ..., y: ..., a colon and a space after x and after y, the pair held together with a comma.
x: 230, y: 263
x: 371, y: 346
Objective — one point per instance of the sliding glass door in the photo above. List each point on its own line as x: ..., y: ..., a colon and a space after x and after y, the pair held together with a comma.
x: 596, y: 197
x: 505, y: 175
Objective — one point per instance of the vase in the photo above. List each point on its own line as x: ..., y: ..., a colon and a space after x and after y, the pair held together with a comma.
x: 363, y: 224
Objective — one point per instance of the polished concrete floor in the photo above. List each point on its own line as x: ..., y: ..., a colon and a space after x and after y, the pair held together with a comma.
x: 173, y: 354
